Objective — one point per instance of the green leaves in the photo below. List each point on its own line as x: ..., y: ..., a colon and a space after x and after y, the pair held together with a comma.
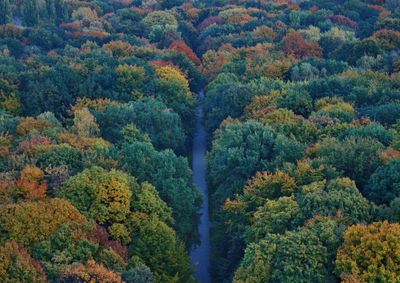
x: 337, y: 196
x: 171, y: 176
x: 384, y: 184
x: 157, y: 245
x: 101, y: 195
x: 296, y: 256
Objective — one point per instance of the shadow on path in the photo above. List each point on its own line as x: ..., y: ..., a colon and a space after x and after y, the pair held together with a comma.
x: 201, y: 254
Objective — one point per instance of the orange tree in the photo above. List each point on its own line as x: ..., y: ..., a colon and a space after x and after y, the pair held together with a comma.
x: 370, y: 253
x: 32, y: 222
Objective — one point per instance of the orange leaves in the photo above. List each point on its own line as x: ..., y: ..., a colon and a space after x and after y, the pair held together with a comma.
x: 100, y: 236
x: 389, y: 154
x: 11, y: 103
x: 313, y: 9
x: 91, y: 272
x: 343, y: 20
x: 98, y: 104
x: 264, y: 32
x: 33, y: 222
x: 209, y: 21
x: 84, y: 143
x: 240, y: 19
x: 33, y: 190
x: 213, y: 62
x: 35, y: 145
x: 265, y: 185
x: 262, y: 105
x: 305, y: 172
x: 29, y: 124
x: 90, y: 33
x: 370, y: 253
x: 31, y: 183
x: 278, y: 181
x: 295, y: 45
x: 234, y: 206
x: 10, y: 30
x: 119, y: 49
x: 182, y: 47
x: 71, y: 26
x: 388, y: 39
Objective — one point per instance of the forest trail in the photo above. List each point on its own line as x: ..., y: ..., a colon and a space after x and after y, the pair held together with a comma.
x: 201, y: 254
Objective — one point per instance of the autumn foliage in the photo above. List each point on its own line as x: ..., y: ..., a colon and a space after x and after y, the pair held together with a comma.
x: 16, y: 265
x: 32, y: 184
x: 295, y: 45
x: 182, y: 47
x: 99, y: 101
x: 370, y: 253
x: 91, y: 272
x: 32, y: 222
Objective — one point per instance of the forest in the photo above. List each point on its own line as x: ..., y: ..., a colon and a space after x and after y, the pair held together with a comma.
x: 97, y: 116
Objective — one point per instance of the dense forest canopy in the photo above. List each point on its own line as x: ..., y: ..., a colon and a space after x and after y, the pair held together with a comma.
x: 97, y: 114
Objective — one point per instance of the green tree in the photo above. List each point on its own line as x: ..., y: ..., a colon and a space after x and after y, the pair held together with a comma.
x: 336, y: 196
x: 296, y: 256
x: 172, y: 87
x: 30, y: 12
x: 296, y: 99
x: 384, y: 184
x: 61, y: 250
x: 265, y: 186
x: 356, y: 158
x: 276, y: 217
x: 131, y: 133
x: 160, y: 249
x: 171, y: 175
x: 329, y: 230
x: 161, y: 27
x: 130, y: 80
x: 138, y: 275
x: 240, y: 150
x: 5, y: 12
x: 59, y: 155
x: 101, y: 195
x: 150, y: 116
x: 146, y: 199
x: 225, y: 99
x: 16, y: 265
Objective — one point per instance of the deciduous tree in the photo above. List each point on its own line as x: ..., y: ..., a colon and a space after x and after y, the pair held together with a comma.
x: 370, y: 253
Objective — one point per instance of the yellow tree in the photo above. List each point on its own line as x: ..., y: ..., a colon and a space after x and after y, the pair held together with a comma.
x: 130, y: 80
x: 173, y: 76
x: 85, y: 123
